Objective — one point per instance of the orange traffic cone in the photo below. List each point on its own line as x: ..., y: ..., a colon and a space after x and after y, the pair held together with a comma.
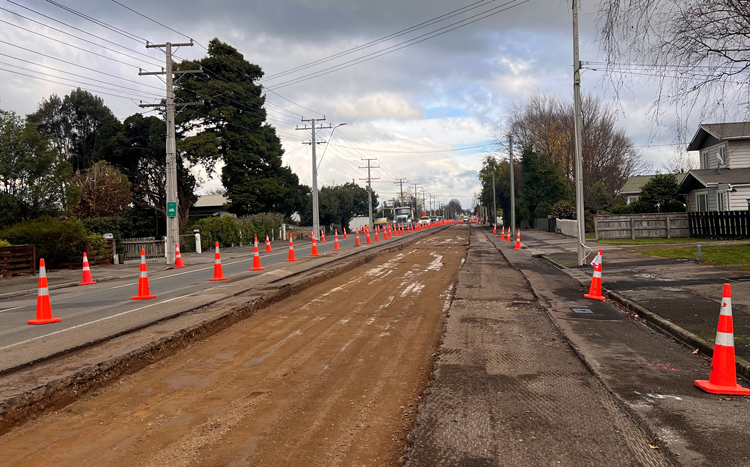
x: 143, y: 291
x: 723, y: 377
x: 218, y: 271
x: 507, y: 237
x: 595, y: 291
x: 358, y: 244
x: 336, y: 241
x: 291, y: 250
x: 502, y: 233
x: 345, y: 235
x: 314, y: 246
x: 43, y: 306
x: 268, y: 245
x: 376, y: 234
x: 87, y: 279
x: 494, y: 229
x: 322, y: 236
x: 256, y: 258
x: 368, y: 238
x: 178, y: 258
x: 518, y: 240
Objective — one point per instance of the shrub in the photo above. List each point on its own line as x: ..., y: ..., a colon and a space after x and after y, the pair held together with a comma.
x: 622, y: 209
x: 4, y: 242
x: 564, y: 210
x: 225, y: 230
x: 58, y: 242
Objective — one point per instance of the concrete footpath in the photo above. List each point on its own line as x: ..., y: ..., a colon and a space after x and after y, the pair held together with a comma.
x: 686, y: 293
x: 508, y: 389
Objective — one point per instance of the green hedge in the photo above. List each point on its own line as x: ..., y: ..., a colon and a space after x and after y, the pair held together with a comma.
x: 230, y: 230
x: 58, y: 242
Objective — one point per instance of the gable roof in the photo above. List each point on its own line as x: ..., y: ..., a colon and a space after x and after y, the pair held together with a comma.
x: 697, y: 179
x: 721, y: 132
x: 634, y: 184
x: 211, y: 201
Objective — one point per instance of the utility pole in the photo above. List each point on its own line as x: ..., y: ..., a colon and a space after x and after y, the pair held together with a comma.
x: 172, y: 207
x: 401, y: 181
x: 313, y: 143
x: 512, y: 190
x: 424, y: 201
x: 416, y: 204
x: 494, y: 194
x: 369, y: 182
x: 579, y: 150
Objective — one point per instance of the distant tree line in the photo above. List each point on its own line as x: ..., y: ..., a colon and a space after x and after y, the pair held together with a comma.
x: 541, y: 129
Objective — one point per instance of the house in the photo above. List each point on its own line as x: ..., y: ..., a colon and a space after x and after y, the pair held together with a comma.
x: 722, y: 183
x: 210, y: 206
x: 632, y: 188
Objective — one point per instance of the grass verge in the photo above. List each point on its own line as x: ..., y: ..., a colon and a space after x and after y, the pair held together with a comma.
x: 720, y: 255
x: 655, y: 241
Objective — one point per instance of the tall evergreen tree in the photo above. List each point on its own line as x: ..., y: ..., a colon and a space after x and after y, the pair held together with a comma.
x: 233, y: 121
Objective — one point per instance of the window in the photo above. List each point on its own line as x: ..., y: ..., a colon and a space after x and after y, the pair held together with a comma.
x: 720, y: 205
x: 704, y: 159
x: 701, y: 202
x: 632, y: 199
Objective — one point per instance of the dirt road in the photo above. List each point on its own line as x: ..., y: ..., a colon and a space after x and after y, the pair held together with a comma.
x: 329, y: 377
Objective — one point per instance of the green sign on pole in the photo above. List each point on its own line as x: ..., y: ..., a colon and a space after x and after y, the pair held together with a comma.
x: 171, y: 209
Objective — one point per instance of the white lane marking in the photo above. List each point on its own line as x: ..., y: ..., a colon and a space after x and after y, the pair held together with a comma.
x: 102, y: 319
x: 14, y: 308
x: 436, y: 264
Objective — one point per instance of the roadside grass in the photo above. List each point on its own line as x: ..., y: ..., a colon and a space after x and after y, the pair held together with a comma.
x: 720, y: 255
x: 655, y: 241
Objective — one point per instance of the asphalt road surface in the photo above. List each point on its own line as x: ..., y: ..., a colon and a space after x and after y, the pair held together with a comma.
x: 329, y: 377
x: 83, y: 306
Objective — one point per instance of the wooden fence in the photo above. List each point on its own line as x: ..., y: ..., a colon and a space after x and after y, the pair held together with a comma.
x: 17, y: 260
x: 663, y: 225
x: 720, y: 224
x: 154, y: 248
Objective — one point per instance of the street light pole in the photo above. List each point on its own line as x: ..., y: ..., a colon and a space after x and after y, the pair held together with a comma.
x: 578, y: 140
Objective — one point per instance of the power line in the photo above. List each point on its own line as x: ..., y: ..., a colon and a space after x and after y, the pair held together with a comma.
x: 298, y: 105
x: 421, y: 152
x: 81, y: 30
x: 68, y: 44
x: 70, y: 73
x: 379, y: 40
x: 77, y: 37
x: 408, y: 43
x: 160, y: 24
x: 136, y: 92
x: 75, y: 64
x: 64, y: 84
x: 100, y: 23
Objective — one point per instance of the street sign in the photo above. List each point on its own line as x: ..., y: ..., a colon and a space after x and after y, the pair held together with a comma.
x: 172, y: 209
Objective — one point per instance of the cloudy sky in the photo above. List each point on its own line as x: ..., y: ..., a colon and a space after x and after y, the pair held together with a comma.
x: 413, y: 108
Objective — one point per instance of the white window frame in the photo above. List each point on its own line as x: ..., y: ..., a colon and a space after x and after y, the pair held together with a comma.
x: 633, y: 198
x: 698, y: 194
x: 721, y: 197
x: 704, y: 159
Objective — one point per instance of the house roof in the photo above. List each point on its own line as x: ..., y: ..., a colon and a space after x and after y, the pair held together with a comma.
x: 720, y: 131
x: 635, y: 183
x: 211, y: 201
x: 696, y: 179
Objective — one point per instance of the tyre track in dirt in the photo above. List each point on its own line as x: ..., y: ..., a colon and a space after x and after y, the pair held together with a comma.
x: 331, y: 376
